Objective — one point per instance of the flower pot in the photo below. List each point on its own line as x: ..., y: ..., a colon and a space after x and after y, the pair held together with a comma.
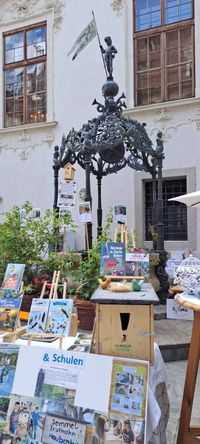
x: 27, y: 301
x: 86, y: 311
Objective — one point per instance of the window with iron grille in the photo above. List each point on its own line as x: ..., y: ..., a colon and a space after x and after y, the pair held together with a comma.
x: 164, y: 50
x: 25, y: 55
x: 174, y: 213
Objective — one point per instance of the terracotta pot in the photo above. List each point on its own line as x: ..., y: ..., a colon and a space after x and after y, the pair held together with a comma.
x: 27, y: 301
x: 86, y: 311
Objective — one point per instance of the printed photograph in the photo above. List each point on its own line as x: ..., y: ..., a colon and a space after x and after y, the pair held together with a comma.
x: 68, y: 410
x: 114, y: 431
x: 4, y: 404
x: 25, y: 417
x: 120, y: 213
x: 8, y: 362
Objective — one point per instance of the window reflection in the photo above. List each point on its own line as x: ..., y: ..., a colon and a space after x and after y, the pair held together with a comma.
x: 148, y: 14
x: 25, y: 85
x: 177, y: 10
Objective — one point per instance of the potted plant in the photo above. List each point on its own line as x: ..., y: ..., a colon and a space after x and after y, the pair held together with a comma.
x: 88, y: 274
x: 29, y: 242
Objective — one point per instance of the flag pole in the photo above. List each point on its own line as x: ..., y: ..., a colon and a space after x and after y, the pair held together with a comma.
x: 100, y: 46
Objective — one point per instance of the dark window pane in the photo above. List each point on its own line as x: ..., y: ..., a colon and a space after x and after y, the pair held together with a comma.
x: 175, y: 213
x: 155, y: 86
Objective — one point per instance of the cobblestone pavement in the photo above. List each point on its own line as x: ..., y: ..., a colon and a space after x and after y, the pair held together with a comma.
x: 176, y: 378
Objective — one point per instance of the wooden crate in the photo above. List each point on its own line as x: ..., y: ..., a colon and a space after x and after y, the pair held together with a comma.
x: 125, y: 330
x: 125, y: 323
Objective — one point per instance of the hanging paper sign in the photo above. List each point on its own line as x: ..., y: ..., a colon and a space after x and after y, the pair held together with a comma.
x: 67, y: 193
x: 85, y: 212
x: 120, y: 213
x: 36, y: 214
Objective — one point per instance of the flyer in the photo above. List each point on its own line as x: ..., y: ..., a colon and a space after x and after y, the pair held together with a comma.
x: 128, y: 389
x: 38, y: 316
x: 137, y: 264
x: 13, y: 277
x: 85, y: 212
x: 112, y: 261
x: 120, y: 213
x: 67, y: 193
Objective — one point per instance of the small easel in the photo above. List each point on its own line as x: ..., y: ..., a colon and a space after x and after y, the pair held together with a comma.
x: 53, y: 295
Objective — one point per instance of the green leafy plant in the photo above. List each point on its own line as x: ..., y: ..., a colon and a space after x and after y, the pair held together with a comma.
x: 29, y: 243
x: 88, y: 271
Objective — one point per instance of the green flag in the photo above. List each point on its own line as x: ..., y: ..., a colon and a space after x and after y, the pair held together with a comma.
x: 84, y: 38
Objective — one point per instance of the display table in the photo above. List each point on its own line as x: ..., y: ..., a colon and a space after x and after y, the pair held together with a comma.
x: 158, y: 404
x: 188, y: 434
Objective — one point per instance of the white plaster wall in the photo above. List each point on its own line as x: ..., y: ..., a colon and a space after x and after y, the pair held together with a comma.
x: 26, y: 156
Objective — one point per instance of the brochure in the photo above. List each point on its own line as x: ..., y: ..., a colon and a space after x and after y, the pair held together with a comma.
x: 59, y: 316
x: 38, y: 316
x: 13, y: 277
x: 9, y: 312
x: 120, y: 213
x: 82, y: 343
x: 112, y: 260
x: 67, y: 193
x: 137, y: 264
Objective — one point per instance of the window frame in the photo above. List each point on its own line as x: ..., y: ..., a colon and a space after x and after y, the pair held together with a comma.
x: 162, y: 30
x: 23, y: 64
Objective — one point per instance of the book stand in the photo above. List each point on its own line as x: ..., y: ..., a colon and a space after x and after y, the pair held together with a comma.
x: 53, y: 295
x: 188, y: 434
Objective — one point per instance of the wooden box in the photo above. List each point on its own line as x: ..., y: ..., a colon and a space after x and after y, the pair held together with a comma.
x: 125, y: 323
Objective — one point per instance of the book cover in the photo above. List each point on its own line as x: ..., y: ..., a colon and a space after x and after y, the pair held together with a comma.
x: 59, y: 316
x: 10, y: 294
x: 112, y: 259
x: 9, y: 312
x: 137, y: 264
x: 13, y: 277
x: 38, y: 316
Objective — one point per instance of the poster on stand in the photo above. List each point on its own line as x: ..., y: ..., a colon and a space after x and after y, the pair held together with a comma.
x: 112, y: 261
x: 67, y: 193
x: 137, y: 264
x: 120, y: 213
x: 9, y: 313
x: 63, y: 394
